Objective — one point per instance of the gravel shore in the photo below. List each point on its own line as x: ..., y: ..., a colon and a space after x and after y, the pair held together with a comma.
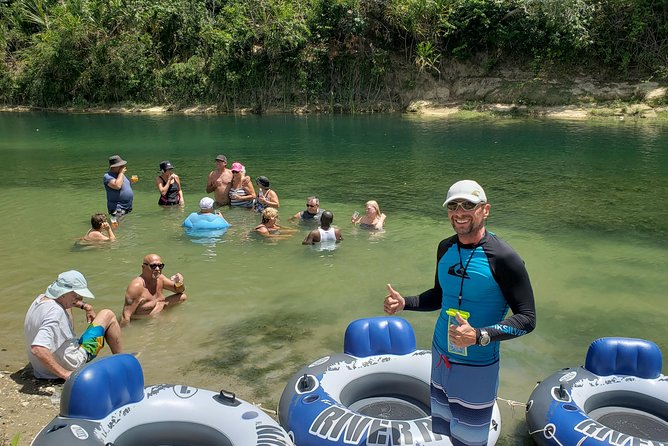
x: 27, y: 405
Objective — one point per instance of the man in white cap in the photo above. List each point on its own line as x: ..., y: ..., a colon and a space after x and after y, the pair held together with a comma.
x: 53, y: 348
x: 478, y: 278
x: 206, y: 206
x: 207, y: 222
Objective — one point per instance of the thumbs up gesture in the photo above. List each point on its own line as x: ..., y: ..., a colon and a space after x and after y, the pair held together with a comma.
x: 394, y: 302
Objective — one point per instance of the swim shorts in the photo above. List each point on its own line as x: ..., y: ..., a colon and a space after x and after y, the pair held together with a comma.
x: 92, y: 340
x: 462, y: 399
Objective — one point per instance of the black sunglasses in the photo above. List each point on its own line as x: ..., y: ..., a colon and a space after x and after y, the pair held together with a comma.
x: 155, y: 265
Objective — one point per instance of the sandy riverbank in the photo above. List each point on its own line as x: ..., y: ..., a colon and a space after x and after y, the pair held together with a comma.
x: 27, y: 405
x: 427, y: 108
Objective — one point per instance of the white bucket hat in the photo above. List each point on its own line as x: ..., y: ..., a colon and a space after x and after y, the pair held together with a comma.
x: 69, y: 281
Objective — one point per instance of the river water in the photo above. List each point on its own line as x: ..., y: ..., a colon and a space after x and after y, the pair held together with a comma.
x: 582, y: 202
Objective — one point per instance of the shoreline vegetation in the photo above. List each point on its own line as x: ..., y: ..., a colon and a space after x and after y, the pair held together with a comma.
x: 594, y: 58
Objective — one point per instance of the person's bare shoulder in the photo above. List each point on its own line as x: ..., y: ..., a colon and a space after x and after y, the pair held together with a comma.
x: 135, y: 287
x: 94, y: 238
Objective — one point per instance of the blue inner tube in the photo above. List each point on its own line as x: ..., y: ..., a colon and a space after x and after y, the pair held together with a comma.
x: 201, y: 222
x: 619, y: 397
x: 375, y: 393
x: 105, y: 403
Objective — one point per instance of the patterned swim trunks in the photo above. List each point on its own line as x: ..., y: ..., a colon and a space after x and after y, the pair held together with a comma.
x: 92, y: 340
x: 462, y: 399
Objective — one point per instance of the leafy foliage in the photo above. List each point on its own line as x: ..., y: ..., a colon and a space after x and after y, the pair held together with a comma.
x: 338, y: 53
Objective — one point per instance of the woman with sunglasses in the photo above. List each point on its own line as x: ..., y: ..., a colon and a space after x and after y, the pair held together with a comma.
x: 144, y: 295
x: 269, y: 226
x: 242, y: 192
x: 372, y: 219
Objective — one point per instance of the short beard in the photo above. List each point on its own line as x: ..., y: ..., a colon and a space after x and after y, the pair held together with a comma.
x: 472, y: 229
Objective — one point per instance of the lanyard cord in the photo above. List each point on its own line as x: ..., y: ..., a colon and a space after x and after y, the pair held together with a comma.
x: 462, y: 271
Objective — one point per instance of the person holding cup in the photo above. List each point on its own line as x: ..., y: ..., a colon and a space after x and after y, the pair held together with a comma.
x: 118, y: 188
x: 145, y: 295
x: 169, y: 185
x: 99, y: 225
x: 372, y: 219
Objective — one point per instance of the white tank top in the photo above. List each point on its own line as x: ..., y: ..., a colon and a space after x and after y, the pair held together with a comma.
x: 328, y: 235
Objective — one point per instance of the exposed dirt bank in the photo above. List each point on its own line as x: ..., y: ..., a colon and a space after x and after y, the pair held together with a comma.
x: 510, y: 95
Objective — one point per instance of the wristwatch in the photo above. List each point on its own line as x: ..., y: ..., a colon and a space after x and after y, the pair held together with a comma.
x: 483, y: 338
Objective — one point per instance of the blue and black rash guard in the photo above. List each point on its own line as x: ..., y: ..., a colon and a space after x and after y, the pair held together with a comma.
x: 492, y: 279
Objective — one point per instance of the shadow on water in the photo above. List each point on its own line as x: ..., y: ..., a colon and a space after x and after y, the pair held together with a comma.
x: 262, y: 348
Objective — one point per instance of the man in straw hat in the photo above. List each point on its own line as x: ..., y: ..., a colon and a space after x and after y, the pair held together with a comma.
x: 53, y: 348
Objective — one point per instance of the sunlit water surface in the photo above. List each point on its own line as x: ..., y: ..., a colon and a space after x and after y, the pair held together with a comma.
x: 583, y: 203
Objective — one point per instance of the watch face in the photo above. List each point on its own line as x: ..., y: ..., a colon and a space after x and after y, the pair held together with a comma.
x: 484, y: 338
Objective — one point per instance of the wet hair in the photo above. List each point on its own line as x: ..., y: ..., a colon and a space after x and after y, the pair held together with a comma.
x: 269, y: 213
x: 373, y: 204
x: 96, y: 221
x: 313, y: 198
x: 327, y: 217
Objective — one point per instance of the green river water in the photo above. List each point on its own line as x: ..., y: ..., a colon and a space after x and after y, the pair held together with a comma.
x: 582, y: 202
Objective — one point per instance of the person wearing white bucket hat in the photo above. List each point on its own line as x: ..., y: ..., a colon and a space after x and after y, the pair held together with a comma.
x: 54, y: 350
x: 478, y: 279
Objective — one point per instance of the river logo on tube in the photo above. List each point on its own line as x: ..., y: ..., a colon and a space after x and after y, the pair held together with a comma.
x: 338, y: 424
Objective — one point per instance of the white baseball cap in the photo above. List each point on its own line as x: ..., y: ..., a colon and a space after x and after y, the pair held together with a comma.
x: 206, y: 203
x: 467, y: 190
x: 69, y: 281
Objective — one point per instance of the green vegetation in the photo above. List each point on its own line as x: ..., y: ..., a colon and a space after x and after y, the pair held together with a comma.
x: 339, y: 54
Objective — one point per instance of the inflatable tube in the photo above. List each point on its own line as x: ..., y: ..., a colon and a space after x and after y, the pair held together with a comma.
x: 105, y: 403
x: 619, y: 398
x: 375, y: 393
x: 205, y: 222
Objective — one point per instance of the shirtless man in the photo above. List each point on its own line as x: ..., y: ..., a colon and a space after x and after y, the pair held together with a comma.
x: 219, y: 182
x: 144, y: 295
x: 99, y: 223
